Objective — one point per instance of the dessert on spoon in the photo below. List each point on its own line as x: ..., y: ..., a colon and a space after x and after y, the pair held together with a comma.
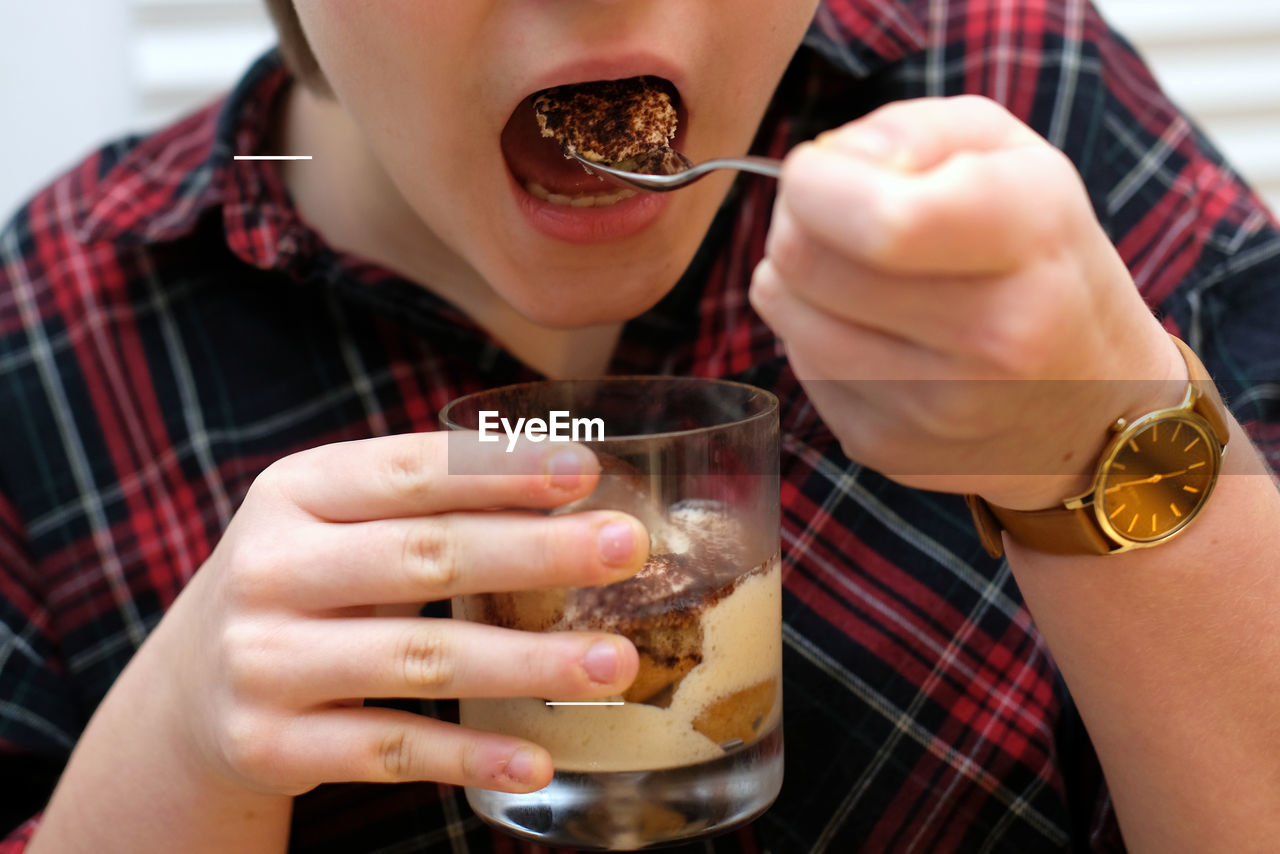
x: 621, y: 130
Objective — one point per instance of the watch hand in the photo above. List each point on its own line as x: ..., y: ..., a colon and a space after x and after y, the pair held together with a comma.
x: 1155, y: 478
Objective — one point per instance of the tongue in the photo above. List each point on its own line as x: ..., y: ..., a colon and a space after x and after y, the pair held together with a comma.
x: 531, y: 157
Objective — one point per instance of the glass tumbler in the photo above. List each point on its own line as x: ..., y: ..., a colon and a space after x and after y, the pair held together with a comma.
x: 694, y: 746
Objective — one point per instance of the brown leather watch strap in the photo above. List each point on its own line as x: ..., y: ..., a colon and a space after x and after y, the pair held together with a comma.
x: 1059, y: 530
x: 1209, y: 403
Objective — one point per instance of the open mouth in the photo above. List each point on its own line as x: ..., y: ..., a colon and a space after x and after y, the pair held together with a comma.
x: 539, y: 164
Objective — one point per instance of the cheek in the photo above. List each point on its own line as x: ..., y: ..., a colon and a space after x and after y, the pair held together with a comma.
x: 744, y: 80
x: 378, y: 51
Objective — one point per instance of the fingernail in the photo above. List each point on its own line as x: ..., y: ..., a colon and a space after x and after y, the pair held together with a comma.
x: 617, y: 543
x: 601, y: 662
x: 564, y: 469
x: 522, y: 765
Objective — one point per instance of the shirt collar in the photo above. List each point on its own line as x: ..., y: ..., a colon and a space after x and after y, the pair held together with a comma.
x: 163, y: 186
x: 861, y: 37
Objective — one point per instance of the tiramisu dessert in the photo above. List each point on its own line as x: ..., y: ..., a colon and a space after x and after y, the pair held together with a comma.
x: 705, y: 623
x: 628, y: 124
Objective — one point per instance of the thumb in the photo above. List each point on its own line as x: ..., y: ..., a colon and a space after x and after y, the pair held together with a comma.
x: 921, y: 134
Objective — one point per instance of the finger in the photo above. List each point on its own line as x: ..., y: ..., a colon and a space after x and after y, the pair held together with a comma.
x: 837, y: 348
x: 422, y: 473
x: 929, y: 309
x: 919, y: 134
x: 439, y: 658
x: 971, y: 214
x: 450, y: 554
x: 390, y: 746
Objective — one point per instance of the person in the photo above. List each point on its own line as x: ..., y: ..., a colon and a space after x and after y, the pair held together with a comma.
x: 222, y: 502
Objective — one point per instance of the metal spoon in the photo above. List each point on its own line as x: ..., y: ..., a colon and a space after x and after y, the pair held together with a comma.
x: 666, y: 183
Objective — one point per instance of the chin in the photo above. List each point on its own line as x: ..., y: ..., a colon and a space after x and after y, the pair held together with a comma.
x: 583, y: 298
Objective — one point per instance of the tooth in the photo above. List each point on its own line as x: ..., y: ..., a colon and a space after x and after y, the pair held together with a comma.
x: 584, y: 201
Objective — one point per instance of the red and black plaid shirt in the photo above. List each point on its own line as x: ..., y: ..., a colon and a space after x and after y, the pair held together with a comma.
x: 168, y: 327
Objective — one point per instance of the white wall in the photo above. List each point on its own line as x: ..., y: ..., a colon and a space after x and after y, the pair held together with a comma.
x: 76, y: 72
x: 63, y: 86
x: 1221, y: 63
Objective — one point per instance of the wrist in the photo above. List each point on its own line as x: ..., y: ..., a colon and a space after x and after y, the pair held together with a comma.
x: 135, y: 770
x: 1152, y: 480
x: 1078, y: 446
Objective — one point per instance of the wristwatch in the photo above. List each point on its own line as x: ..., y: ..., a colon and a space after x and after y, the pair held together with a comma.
x: 1152, y: 480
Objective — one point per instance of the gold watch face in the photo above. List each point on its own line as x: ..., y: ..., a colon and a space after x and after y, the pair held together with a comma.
x: 1156, y: 477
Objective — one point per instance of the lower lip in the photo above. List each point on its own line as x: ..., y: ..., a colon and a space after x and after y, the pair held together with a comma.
x: 589, y: 225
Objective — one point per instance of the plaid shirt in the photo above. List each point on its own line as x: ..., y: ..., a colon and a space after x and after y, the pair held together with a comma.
x: 169, y: 326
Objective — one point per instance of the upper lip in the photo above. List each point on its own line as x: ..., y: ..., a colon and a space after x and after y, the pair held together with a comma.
x: 612, y: 67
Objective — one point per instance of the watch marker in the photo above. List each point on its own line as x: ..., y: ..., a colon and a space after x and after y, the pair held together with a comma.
x: 1177, y: 428
x: 1192, y: 445
x: 1196, y: 465
x: 1174, y: 508
x: 1133, y: 443
x: 1190, y: 489
x: 1114, y: 513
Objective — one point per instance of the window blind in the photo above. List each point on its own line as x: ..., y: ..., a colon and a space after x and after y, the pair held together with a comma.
x: 185, y: 52
x: 1221, y: 63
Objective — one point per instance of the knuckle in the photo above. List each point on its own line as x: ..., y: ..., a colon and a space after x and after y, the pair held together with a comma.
x: 788, y: 250
x: 278, y: 481
x: 250, y: 747
x: 548, y: 549
x: 765, y: 292
x: 901, y: 222
x: 246, y: 651
x: 430, y: 558
x: 407, y: 471
x: 980, y: 104
x: 259, y: 570
x: 1061, y: 199
x: 539, y: 666
x: 270, y: 478
x: 473, y: 765
x: 1011, y: 341
x: 426, y: 663
x: 948, y: 412
x: 395, y: 755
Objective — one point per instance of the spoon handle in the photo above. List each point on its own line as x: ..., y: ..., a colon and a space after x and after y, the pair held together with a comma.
x: 769, y: 166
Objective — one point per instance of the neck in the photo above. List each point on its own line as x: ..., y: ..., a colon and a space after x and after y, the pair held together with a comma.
x: 351, y: 202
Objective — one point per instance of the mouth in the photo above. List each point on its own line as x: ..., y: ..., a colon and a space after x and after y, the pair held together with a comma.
x: 541, y: 169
